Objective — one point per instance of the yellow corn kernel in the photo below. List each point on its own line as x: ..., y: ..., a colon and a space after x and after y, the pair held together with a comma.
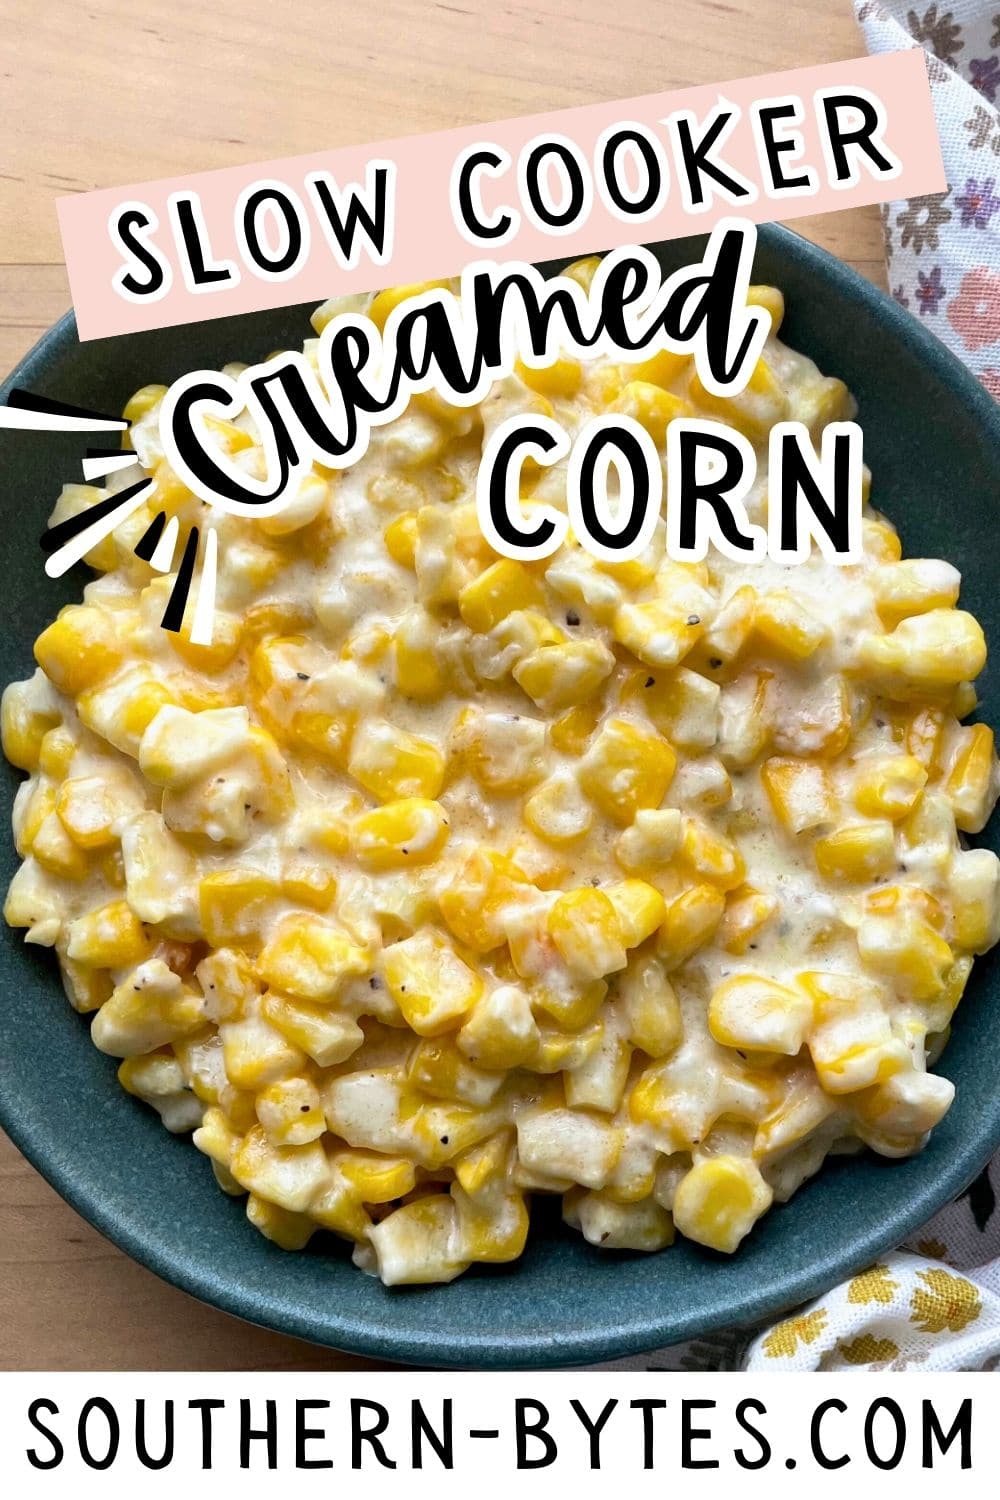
x: 639, y: 907
x: 418, y: 1243
x: 383, y: 303
x: 142, y: 403
x: 56, y: 752
x: 651, y: 406
x: 729, y: 631
x: 88, y: 812
x: 491, y: 1230
x: 772, y: 299
x: 227, y: 637
x: 309, y: 884
x: 112, y: 937
x: 862, y: 851
x: 438, y: 1067
x: 232, y: 905
x: 625, y: 769
x: 821, y: 401
x: 571, y: 1008
x: 887, y: 786
x: 31, y: 815
x: 683, y: 705
x: 311, y: 960
x: 691, y: 920
x: 787, y: 627
x: 904, y: 946
x: 290, y: 1111
x: 879, y: 539
x: 757, y: 1014
x: 409, y: 831
x: 257, y: 1054
x: 571, y: 732
x: 216, y: 1137
x: 123, y: 718
x: 582, y: 271
x: 375, y: 1178
x: 505, y: 752
x: 709, y: 856
x: 558, y: 1050
x: 971, y: 784
x: 754, y: 410
x: 718, y: 1202
x: 287, y: 1230
x: 149, y: 1009
x: 418, y: 670
x: 661, y: 368
x: 925, y: 654
x: 289, y: 1176
x: 652, y: 1011
x: 325, y: 1035
x: 747, y: 912
x: 800, y: 793
x: 559, y: 676
x: 586, y: 930
x: 974, y: 886
x: 400, y: 538
x: 497, y: 592
x: 657, y: 633
x: 895, y: 1116
x: 432, y: 986
x: 391, y: 762
x: 55, y: 851
x: 474, y: 903
x: 23, y: 727
x: 652, y: 840
x: 227, y: 980
x: 912, y: 587
x: 557, y: 811
x: 86, y: 989
x: 479, y: 1170
x: 851, y: 1040
x: 79, y: 649
x: 561, y: 378
x: 501, y: 1032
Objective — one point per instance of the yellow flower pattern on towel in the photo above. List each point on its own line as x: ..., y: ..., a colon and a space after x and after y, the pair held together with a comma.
x: 875, y: 1285
x: 950, y: 1302
x: 903, y: 1312
x: 868, y: 1350
x: 784, y: 1338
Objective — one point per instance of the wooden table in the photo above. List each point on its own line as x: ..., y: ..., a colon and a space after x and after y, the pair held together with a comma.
x: 114, y: 92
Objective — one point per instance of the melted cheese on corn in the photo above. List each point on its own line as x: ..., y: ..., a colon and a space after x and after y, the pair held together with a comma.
x: 438, y: 880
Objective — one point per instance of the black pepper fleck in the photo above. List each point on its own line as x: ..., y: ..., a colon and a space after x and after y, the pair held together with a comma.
x: 572, y: 618
x: 694, y: 619
x: 715, y: 662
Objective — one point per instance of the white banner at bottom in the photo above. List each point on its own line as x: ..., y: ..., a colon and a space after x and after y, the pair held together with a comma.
x: 427, y: 1434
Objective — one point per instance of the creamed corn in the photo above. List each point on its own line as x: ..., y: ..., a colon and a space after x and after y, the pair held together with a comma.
x: 441, y: 879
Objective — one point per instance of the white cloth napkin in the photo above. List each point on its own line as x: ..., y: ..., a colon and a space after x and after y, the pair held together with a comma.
x: 935, y: 1304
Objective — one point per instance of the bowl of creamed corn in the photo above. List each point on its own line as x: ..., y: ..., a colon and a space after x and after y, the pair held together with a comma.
x: 596, y: 947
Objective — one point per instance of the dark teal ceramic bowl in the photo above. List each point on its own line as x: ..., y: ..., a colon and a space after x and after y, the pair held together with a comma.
x: 932, y: 438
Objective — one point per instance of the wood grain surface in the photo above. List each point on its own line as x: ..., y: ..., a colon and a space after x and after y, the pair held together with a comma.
x: 109, y: 92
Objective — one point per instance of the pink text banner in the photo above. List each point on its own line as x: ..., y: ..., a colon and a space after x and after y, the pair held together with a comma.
x: 248, y: 238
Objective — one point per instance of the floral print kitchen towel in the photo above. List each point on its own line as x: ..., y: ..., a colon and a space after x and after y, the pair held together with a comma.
x: 943, y: 251
x: 935, y: 1304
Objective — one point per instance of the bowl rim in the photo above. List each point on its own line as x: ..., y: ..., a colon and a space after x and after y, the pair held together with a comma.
x: 649, y: 1328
